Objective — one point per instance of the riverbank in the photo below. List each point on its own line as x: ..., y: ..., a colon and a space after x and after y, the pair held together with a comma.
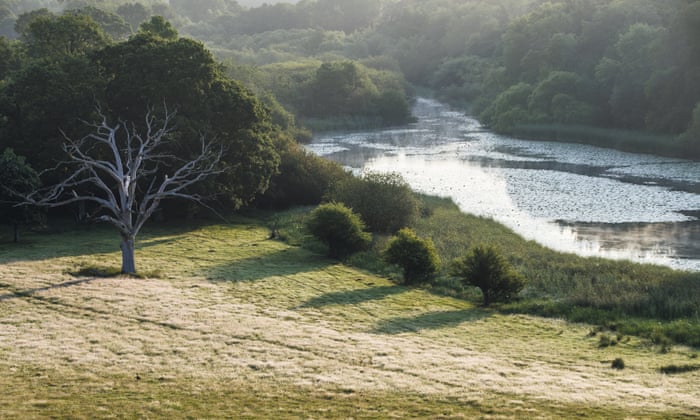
x: 569, y: 197
x: 610, y: 138
x: 653, y: 302
x: 623, y: 140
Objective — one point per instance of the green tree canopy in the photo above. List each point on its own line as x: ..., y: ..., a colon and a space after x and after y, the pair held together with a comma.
x: 16, y: 177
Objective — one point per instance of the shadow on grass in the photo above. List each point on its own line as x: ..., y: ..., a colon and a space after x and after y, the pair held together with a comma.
x: 83, y: 241
x: 284, y: 262
x: 353, y: 297
x: 31, y: 292
x: 429, y: 321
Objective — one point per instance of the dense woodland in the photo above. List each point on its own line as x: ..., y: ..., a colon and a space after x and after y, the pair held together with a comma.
x: 256, y: 77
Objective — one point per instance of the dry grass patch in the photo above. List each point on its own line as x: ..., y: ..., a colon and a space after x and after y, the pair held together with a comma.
x: 239, y: 325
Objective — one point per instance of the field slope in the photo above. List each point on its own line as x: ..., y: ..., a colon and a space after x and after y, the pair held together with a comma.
x: 235, y: 325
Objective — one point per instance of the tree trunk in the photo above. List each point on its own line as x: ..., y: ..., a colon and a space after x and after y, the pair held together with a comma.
x: 487, y: 297
x: 128, y: 260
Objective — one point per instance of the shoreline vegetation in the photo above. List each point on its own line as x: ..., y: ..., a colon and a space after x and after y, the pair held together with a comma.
x: 617, y: 296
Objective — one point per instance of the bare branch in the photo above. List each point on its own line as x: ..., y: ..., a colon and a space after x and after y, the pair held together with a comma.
x: 121, y: 170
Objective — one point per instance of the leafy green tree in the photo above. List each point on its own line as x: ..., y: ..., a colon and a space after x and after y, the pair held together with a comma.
x: 417, y: 257
x: 24, y: 19
x: 17, y: 178
x: 510, y: 108
x: 134, y: 14
x: 160, y: 27
x: 341, y: 88
x: 485, y: 268
x: 65, y: 35
x: 112, y: 24
x: 42, y: 99
x: 149, y: 70
x: 339, y: 228
x: 10, y: 57
x: 303, y: 177
x: 384, y: 200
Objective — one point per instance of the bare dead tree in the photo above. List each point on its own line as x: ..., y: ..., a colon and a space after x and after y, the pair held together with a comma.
x: 118, y: 168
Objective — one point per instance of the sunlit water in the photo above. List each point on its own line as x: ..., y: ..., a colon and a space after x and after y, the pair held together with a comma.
x: 569, y: 197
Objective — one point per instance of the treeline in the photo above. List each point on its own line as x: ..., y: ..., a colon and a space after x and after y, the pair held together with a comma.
x: 562, y: 69
x: 622, y: 64
x: 67, y: 71
x: 543, y: 68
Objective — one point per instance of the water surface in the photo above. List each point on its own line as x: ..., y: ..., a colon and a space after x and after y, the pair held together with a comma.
x: 569, y: 197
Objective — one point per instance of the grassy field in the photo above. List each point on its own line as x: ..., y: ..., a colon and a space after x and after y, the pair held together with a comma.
x: 231, y: 324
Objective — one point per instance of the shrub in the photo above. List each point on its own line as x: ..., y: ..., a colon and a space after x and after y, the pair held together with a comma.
x: 339, y: 228
x: 618, y: 364
x: 385, y: 201
x: 303, y: 178
x: 417, y: 257
x: 485, y: 268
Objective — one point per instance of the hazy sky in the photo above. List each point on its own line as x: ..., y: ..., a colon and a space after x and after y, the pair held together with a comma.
x: 256, y: 3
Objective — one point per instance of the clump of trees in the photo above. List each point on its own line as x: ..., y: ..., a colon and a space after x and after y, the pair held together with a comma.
x: 417, y: 257
x: 339, y: 228
x: 486, y: 268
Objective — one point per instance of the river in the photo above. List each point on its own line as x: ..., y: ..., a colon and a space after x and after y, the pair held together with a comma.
x: 570, y: 197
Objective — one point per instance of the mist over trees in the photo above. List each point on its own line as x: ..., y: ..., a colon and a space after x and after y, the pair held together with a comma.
x: 527, y: 67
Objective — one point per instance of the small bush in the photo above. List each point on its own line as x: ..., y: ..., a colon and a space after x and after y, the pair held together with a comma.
x: 606, y: 341
x: 417, y: 257
x: 385, y: 201
x: 618, y: 364
x: 485, y: 268
x: 339, y: 228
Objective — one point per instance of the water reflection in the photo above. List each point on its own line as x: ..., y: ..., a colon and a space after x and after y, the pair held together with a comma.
x: 570, y: 197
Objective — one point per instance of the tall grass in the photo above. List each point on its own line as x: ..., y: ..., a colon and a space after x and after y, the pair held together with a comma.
x: 645, y: 300
x: 627, y: 140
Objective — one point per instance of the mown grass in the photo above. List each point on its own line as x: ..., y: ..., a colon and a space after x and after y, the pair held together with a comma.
x: 240, y: 326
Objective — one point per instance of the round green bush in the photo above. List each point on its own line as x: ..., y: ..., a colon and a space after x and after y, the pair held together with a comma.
x: 618, y: 364
x: 417, y: 257
x: 485, y: 268
x: 339, y: 228
x: 385, y: 201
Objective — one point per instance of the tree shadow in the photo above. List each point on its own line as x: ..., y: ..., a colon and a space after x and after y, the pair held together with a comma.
x: 93, y: 240
x: 31, y: 292
x: 430, y: 321
x: 353, y: 297
x: 280, y: 263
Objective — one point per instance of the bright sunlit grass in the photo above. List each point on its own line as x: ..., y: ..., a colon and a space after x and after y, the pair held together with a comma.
x: 237, y: 325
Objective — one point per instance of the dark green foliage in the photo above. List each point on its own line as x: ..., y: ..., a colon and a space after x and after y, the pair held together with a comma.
x: 160, y: 27
x: 618, y: 364
x: 485, y: 268
x: 134, y: 14
x: 112, y: 24
x: 677, y: 369
x: 16, y: 178
x: 150, y: 70
x: 385, y: 201
x: 690, y: 139
x: 303, y: 177
x: 416, y: 256
x: 339, y: 228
